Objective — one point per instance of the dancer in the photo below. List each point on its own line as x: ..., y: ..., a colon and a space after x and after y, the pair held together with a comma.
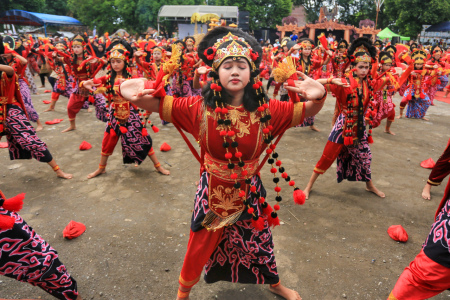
x: 83, y: 68
x: 25, y: 256
x: 64, y: 84
x: 19, y: 63
x: 23, y: 143
x: 383, y: 106
x: 235, y: 123
x: 309, y: 65
x: 437, y: 64
x: 415, y: 96
x: 429, y: 273
x: 124, y: 122
x: 349, y: 141
x: 438, y: 173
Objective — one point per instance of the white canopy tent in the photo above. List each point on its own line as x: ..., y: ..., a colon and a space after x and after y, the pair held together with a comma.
x: 183, y: 13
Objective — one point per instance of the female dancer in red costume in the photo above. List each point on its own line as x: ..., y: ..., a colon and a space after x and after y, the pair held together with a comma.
x: 83, y: 68
x: 348, y: 141
x: 123, y: 120
x: 383, y: 106
x: 308, y: 65
x: 235, y: 124
x: 429, y: 273
x: 23, y: 143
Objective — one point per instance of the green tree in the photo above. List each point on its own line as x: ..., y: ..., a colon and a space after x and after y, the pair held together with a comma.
x: 100, y: 13
x: 263, y: 13
x: 410, y: 15
x: 28, y: 5
x: 56, y: 7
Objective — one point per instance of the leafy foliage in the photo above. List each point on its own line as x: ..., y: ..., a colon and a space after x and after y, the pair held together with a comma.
x: 263, y: 13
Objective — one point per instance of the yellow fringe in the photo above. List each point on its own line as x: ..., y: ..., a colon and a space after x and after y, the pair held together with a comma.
x: 214, y: 222
x: 284, y: 70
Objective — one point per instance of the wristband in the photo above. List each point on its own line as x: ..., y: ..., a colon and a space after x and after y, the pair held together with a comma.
x: 322, y: 99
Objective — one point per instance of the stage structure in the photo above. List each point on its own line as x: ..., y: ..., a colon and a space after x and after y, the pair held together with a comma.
x: 326, y: 24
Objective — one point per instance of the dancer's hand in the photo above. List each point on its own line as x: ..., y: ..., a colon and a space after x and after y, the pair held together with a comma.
x: 202, y: 70
x: 307, y: 88
x: 89, y: 84
x: 339, y: 82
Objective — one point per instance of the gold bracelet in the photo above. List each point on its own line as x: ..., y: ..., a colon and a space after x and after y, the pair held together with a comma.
x: 56, y: 168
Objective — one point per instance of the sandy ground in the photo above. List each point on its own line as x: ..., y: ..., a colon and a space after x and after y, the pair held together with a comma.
x: 333, y: 247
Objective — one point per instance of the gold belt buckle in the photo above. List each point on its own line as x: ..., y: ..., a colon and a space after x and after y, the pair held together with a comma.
x: 3, y: 100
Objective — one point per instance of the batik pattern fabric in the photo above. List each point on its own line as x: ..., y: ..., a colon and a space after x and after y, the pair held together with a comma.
x: 23, y: 143
x: 99, y: 102
x: 135, y: 146
x: 436, y: 246
x: 183, y: 88
x: 417, y: 107
x: 353, y: 162
x: 244, y: 254
x: 384, y: 109
x: 432, y: 90
x: 27, y: 257
x: 64, y: 90
x: 309, y: 121
x: 444, y: 81
x: 403, y: 88
x: 32, y: 85
x: 25, y: 92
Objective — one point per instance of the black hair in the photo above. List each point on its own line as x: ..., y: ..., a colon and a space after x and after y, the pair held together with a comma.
x: 384, y: 53
x: 390, y: 47
x: 111, y: 73
x: 363, y: 41
x: 432, y: 51
x: 251, y: 99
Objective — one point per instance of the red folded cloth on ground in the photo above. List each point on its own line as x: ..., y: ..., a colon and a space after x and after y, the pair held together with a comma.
x: 85, y: 146
x: 165, y: 147
x: 428, y: 164
x: 4, y: 145
x: 398, y: 233
x: 46, y: 101
x: 47, y: 91
x: 73, y: 230
x: 54, y: 121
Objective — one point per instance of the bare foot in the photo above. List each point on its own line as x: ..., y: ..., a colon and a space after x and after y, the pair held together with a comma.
x: 314, y: 128
x: 306, y: 191
x: 42, y: 86
x: 425, y: 119
x: 284, y: 292
x: 96, y: 173
x: 399, y: 117
x: 39, y: 127
x: 389, y: 131
x: 371, y: 188
x: 163, y: 171
x: 61, y: 174
x: 426, y: 192
x: 68, y: 129
x: 49, y: 109
x: 89, y: 110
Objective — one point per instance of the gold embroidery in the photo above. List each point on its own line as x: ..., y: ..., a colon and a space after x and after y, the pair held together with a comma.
x: 239, y: 121
x: 433, y: 183
x: 227, y: 198
x: 220, y: 169
x: 167, y: 109
x: 297, y: 114
x: 392, y: 297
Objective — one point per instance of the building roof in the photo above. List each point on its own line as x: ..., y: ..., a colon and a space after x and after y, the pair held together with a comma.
x: 184, y: 12
x: 21, y: 17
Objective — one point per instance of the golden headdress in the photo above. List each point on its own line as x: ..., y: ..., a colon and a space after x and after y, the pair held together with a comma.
x: 419, y: 56
x: 79, y: 40
x: 118, y: 51
x: 361, y: 54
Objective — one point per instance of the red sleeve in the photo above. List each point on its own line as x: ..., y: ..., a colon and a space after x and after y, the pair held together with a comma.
x: 101, y: 80
x: 183, y: 112
x: 285, y: 115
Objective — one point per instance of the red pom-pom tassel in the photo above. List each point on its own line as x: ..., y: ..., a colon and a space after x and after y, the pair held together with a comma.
x: 15, y: 203
x: 370, y: 139
x: 258, y: 224
x: 144, y: 131
x: 273, y: 221
x: 268, y: 210
x: 6, y: 222
x: 123, y: 129
x: 155, y: 129
x: 299, y: 196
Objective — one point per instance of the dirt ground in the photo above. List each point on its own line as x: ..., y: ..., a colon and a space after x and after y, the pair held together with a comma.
x: 333, y: 247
